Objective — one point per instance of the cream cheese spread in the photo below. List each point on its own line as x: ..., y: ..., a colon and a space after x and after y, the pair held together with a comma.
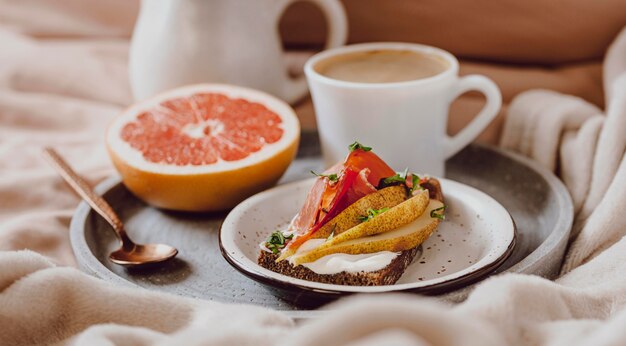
x: 339, y: 262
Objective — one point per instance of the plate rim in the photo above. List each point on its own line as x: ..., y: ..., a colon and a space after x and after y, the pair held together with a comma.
x: 257, y: 273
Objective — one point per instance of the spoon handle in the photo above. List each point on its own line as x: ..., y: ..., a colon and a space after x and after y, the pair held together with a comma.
x: 84, y: 190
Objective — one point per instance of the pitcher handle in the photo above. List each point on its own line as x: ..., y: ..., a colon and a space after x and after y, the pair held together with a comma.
x: 336, y: 18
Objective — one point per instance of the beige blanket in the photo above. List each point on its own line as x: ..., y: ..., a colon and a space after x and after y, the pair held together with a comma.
x: 63, y: 91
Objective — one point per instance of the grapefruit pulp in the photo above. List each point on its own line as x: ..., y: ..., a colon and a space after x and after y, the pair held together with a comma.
x: 203, y: 147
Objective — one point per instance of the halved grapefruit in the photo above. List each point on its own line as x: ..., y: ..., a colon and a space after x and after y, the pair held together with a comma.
x: 203, y: 147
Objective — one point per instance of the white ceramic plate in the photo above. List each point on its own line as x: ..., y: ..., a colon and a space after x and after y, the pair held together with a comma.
x: 476, y: 237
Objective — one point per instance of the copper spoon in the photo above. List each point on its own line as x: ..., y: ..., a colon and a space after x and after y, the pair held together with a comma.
x: 129, y: 253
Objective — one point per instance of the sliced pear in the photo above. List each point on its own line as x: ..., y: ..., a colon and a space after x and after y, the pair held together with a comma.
x: 388, y: 197
x: 402, y: 238
x: 393, y: 218
x: 349, y: 217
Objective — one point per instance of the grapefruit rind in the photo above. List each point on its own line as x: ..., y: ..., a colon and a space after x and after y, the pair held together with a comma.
x: 204, y: 192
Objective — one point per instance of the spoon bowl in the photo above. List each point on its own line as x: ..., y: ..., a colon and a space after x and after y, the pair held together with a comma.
x: 143, y: 254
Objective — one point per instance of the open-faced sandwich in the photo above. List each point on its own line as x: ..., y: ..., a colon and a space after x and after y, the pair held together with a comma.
x: 361, y: 224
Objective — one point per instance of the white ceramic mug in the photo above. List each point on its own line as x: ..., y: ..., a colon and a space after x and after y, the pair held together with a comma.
x: 179, y: 42
x: 405, y: 122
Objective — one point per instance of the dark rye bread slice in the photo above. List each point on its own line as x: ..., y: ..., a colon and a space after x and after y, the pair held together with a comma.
x: 386, y: 276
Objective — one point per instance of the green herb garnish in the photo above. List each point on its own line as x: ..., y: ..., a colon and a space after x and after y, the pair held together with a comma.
x: 399, y: 178
x: 332, y: 177
x: 356, y: 145
x: 439, y: 213
x: 416, y: 183
x: 372, y: 213
x: 276, y: 241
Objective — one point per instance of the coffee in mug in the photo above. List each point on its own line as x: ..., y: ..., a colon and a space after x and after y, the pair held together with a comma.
x: 381, y: 66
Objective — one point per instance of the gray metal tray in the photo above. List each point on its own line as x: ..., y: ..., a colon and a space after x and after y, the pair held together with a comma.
x: 537, y: 200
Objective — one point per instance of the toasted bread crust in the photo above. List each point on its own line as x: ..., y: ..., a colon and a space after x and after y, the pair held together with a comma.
x: 386, y: 276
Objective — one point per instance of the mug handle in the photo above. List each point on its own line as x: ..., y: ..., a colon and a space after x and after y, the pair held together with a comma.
x: 484, y: 117
x: 335, y: 15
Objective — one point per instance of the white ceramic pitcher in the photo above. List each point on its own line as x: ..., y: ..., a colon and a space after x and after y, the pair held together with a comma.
x: 179, y: 42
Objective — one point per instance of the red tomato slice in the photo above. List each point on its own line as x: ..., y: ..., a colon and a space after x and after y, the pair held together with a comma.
x: 359, y: 175
x: 360, y: 159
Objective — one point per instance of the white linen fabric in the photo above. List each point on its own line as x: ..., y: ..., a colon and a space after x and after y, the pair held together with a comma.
x: 63, y: 92
x: 587, y: 145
